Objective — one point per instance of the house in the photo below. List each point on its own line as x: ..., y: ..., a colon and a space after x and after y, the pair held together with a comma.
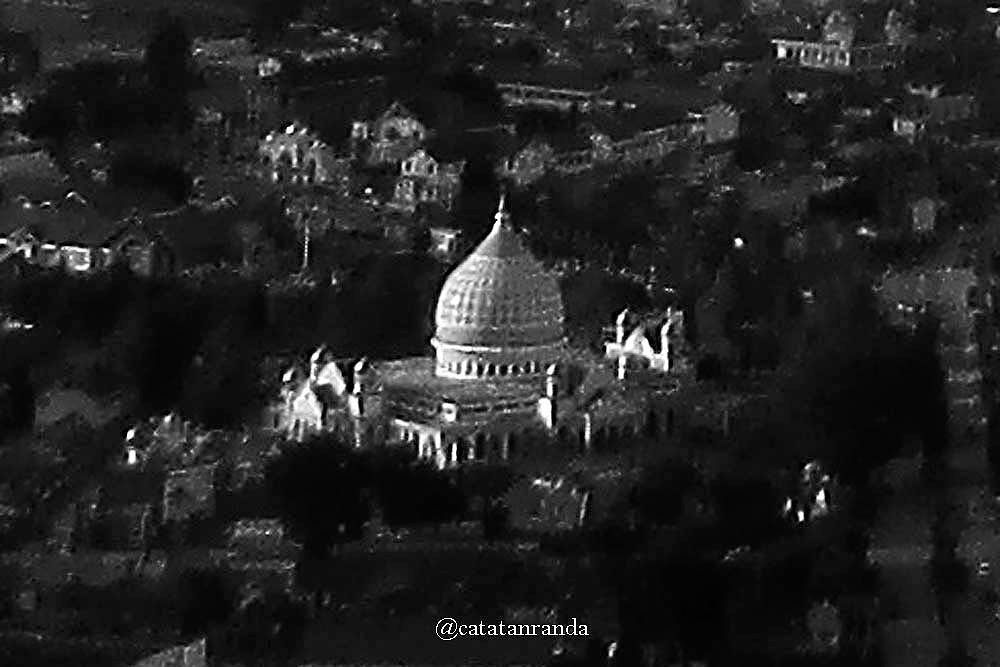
x: 422, y: 179
x: 257, y: 537
x: 390, y: 138
x: 720, y: 123
x: 926, y: 110
x: 547, y: 505
x: 190, y: 655
x: 189, y: 492
x: 71, y: 233
x: 662, y: 9
x: 527, y: 165
x: 898, y: 31
x: 838, y: 48
x: 923, y: 214
x: 444, y: 242
x: 297, y: 156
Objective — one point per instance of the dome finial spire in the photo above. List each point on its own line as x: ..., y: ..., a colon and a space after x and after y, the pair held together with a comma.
x: 502, y: 217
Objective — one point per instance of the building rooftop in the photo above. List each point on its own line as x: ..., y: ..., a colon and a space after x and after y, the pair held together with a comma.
x: 416, y: 376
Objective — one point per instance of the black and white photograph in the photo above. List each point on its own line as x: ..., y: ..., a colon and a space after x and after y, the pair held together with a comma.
x: 499, y: 333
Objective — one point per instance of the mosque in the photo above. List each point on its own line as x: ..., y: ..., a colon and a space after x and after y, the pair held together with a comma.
x: 502, y: 374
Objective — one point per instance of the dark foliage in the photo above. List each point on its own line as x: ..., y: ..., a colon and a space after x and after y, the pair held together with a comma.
x: 168, y: 58
x: 747, y: 507
x: 321, y: 473
x: 134, y: 170
x: 101, y: 100
x: 663, y: 489
x: 864, y: 387
x: 474, y: 88
x: 410, y: 493
x: 270, y: 19
x: 204, y: 600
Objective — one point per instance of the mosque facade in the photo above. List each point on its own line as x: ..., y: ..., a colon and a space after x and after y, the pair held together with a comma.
x: 502, y: 375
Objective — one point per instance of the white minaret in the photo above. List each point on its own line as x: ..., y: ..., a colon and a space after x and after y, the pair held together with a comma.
x: 552, y: 381
x: 316, y: 363
x: 548, y: 405
x: 620, y: 323
x: 502, y: 216
x: 665, y: 351
x: 356, y: 401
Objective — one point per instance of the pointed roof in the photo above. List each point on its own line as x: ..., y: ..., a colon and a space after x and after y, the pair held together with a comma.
x: 499, y: 295
x: 397, y: 109
x: 503, y: 241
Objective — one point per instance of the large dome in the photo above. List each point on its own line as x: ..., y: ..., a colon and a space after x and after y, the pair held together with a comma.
x: 499, y: 313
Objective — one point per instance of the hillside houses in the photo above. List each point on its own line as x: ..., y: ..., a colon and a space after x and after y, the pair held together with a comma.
x: 613, y: 142
x: 388, y: 139
x: 72, y: 234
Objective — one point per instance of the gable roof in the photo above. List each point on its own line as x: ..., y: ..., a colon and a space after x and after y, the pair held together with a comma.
x: 396, y: 109
x: 63, y: 222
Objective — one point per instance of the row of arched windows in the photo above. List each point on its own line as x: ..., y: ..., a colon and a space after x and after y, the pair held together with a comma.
x: 470, y: 368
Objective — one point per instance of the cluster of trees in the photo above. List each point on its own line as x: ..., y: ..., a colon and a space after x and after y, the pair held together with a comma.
x: 678, y: 586
x: 134, y: 170
x: 104, y: 99
x: 861, y: 389
x: 326, y: 491
x: 852, y: 395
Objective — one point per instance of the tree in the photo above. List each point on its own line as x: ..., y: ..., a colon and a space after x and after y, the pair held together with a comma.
x: 137, y: 170
x: 678, y: 596
x: 862, y: 388
x: 663, y: 490
x: 203, y: 600
x: 168, y: 59
x: 398, y: 481
x: 222, y: 388
x: 250, y: 233
x: 320, y: 488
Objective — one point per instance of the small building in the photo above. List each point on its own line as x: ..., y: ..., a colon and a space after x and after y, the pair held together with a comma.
x: 838, y: 48
x: 190, y: 655
x: 547, y: 505
x: 296, y: 156
x: 923, y: 214
x: 189, y: 493
x: 720, y: 123
x: 422, y: 179
x: 390, y: 138
x: 444, y: 242
x: 926, y: 110
x: 527, y: 165
x: 72, y: 234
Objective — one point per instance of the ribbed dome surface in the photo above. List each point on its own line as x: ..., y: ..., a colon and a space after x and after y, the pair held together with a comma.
x: 500, y: 298
x: 500, y: 295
